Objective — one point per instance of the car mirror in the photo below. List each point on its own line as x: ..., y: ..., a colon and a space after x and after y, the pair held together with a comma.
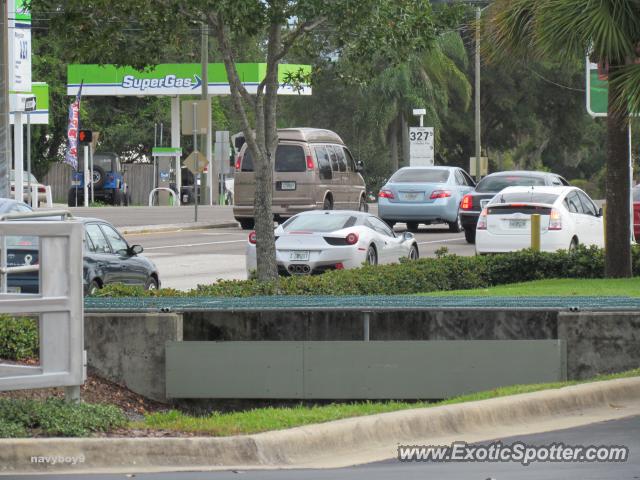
x: 359, y: 166
x: 407, y: 236
x: 136, y: 249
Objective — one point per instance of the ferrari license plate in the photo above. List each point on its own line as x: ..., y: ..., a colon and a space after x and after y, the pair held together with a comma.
x: 288, y: 185
x: 299, y: 255
x: 517, y: 223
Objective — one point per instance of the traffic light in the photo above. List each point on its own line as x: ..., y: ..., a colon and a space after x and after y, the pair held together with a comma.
x: 85, y: 136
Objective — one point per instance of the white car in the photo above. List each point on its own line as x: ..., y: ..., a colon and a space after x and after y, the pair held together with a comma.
x: 568, y: 217
x: 320, y: 240
x: 42, y: 191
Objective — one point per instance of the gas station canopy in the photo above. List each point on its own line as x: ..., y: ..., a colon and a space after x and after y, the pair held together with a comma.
x: 170, y: 79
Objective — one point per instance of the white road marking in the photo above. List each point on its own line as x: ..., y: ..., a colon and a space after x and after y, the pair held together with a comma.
x: 193, y: 244
x: 443, y: 240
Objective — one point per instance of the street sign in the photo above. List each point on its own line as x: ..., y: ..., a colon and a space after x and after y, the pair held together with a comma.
x: 484, y: 166
x: 196, y: 162
x: 421, y: 151
x: 202, y: 112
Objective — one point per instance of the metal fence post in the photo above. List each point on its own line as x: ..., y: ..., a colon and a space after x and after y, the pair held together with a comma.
x: 535, y: 232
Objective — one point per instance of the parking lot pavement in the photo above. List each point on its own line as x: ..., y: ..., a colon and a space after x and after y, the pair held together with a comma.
x: 191, y: 257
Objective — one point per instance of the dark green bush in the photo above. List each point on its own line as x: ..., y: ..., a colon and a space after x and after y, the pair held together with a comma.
x: 18, y: 338
x: 11, y: 429
x: 446, y: 272
x: 54, y: 417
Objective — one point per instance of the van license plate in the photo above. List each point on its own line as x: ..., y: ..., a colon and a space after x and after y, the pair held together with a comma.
x: 517, y: 223
x: 300, y: 255
x: 288, y: 185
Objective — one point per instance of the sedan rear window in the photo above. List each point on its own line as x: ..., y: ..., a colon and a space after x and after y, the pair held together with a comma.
x: 417, y: 175
x: 497, y: 183
x: 319, y: 223
x: 289, y: 158
x: 525, y: 197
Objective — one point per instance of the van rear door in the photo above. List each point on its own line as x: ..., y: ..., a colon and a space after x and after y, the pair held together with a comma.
x: 293, y: 180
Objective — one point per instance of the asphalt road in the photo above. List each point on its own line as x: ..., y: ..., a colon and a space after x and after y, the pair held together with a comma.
x: 625, y: 432
x: 191, y: 257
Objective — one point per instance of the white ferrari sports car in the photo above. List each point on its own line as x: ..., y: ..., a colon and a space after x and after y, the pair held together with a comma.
x: 321, y: 240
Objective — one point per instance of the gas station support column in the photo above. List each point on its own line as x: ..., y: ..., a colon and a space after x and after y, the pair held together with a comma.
x: 175, y: 139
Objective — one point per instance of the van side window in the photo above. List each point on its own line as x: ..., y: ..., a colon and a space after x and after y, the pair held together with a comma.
x: 323, y: 162
x: 247, y: 162
x: 351, y: 163
x: 290, y: 158
x: 342, y: 161
x: 334, y: 158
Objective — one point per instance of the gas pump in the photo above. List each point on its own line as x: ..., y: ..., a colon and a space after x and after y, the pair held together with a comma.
x: 166, y: 162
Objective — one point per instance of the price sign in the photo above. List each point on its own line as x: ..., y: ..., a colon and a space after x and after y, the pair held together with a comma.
x: 421, y: 151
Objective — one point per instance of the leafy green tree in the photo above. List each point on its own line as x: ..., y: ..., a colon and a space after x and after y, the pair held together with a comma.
x: 609, y: 31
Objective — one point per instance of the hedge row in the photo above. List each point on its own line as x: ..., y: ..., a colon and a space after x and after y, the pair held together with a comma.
x: 55, y: 417
x: 445, y: 272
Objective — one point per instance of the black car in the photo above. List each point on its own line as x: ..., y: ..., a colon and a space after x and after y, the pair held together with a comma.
x: 473, y: 202
x: 108, y: 258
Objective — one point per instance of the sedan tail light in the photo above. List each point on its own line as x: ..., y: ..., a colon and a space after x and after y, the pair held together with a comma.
x: 466, y: 203
x: 482, y: 220
x: 386, y: 194
x: 440, y: 194
x: 252, y: 238
x: 555, y: 220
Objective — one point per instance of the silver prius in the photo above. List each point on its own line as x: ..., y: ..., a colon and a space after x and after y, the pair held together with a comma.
x: 416, y: 195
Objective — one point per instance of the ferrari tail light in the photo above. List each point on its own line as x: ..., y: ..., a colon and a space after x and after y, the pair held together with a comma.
x: 310, y: 165
x: 482, y: 220
x: 252, y: 238
x: 466, y: 203
x: 555, y: 220
x: 340, y: 266
x: 352, y: 238
x: 440, y: 194
x: 386, y: 194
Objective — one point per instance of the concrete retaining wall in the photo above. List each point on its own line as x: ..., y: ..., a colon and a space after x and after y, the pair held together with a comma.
x: 130, y: 349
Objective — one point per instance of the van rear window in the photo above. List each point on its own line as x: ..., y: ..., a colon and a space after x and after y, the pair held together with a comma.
x: 289, y: 158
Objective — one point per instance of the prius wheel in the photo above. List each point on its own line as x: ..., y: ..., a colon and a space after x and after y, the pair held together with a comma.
x: 151, y: 284
x: 372, y: 255
x: 470, y: 235
x: 413, y: 253
x: 456, y: 225
x: 573, y: 246
x: 412, y: 226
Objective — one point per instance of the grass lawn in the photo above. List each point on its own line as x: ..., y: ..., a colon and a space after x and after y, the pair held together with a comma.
x: 264, y: 419
x: 621, y: 287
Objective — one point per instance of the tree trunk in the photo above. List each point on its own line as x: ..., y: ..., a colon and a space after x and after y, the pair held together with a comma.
x: 404, y: 131
x: 393, y: 144
x: 618, y: 247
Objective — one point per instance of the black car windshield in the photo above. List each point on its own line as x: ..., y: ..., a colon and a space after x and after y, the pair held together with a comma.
x: 498, y: 182
x: 319, y: 223
x: 420, y: 175
x: 525, y: 197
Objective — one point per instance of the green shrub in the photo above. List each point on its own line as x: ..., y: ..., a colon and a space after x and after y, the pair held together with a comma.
x: 55, y: 417
x: 18, y: 338
x: 11, y: 429
x: 445, y: 272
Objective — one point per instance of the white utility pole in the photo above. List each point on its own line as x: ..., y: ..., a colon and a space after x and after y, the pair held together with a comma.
x: 477, y: 95
x: 5, y: 146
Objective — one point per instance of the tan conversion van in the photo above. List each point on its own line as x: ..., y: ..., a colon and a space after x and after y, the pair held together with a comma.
x: 313, y: 169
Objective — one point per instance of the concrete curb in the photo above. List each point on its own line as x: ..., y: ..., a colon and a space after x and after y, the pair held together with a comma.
x: 301, y: 446
x: 133, y: 230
